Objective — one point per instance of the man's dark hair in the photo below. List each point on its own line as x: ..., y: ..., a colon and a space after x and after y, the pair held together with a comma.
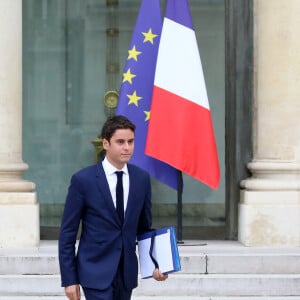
x: 114, y: 123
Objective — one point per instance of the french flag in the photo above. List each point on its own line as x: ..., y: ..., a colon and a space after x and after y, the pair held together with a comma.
x: 180, y: 131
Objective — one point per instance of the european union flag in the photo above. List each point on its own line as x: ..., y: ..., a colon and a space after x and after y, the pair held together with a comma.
x: 136, y: 89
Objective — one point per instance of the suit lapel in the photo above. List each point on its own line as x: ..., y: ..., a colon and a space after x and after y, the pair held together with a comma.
x: 131, y: 194
x: 104, y: 190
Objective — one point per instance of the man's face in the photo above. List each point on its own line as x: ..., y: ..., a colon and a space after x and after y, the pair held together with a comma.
x: 120, y: 147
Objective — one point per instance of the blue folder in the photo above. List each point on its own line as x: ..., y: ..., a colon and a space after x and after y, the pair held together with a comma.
x: 158, y: 248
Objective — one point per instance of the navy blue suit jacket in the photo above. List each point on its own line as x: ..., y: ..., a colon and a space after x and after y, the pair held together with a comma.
x: 102, y: 238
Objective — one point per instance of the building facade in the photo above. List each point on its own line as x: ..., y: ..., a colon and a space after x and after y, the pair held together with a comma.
x: 61, y: 64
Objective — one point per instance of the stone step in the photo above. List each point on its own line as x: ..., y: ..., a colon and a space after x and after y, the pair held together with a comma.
x: 160, y: 298
x: 258, y: 263
x: 180, y: 285
x: 212, y: 270
x: 224, y: 257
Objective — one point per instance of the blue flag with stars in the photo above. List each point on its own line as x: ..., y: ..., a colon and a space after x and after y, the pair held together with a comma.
x: 137, y: 85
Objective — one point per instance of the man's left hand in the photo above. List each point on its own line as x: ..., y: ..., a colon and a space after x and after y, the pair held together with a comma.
x: 159, y: 276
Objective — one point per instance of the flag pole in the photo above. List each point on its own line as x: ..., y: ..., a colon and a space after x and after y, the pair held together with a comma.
x: 179, y: 207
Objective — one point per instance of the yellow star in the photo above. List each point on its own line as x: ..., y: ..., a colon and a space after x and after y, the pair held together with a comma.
x: 128, y: 76
x: 133, y: 53
x: 147, y: 113
x: 134, y: 98
x: 149, y: 36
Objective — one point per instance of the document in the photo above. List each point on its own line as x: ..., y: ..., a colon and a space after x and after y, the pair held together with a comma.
x: 164, y: 251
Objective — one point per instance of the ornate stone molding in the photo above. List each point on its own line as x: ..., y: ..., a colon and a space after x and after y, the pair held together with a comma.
x: 273, y: 176
x: 10, y: 178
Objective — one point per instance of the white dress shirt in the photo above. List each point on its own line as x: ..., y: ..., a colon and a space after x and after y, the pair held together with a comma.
x: 111, y: 177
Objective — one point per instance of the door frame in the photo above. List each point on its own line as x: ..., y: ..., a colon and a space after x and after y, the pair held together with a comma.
x: 238, y: 110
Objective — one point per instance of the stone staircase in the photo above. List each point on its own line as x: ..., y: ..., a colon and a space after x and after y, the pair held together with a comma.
x: 211, y: 270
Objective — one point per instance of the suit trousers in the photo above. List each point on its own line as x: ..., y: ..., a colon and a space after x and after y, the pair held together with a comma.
x: 116, y: 291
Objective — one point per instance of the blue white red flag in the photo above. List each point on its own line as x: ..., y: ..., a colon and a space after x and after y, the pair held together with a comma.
x: 137, y: 86
x: 180, y: 130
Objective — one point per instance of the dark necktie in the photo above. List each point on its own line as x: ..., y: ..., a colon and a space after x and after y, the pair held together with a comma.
x: 120, y: 196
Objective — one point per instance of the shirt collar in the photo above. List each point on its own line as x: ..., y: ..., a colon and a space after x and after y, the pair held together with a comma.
x: 110, y: 169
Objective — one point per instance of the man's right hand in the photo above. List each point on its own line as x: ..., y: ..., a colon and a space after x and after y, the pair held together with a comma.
x: 73, y: 292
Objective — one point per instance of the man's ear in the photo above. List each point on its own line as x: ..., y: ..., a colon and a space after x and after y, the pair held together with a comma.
x: 105, y: 144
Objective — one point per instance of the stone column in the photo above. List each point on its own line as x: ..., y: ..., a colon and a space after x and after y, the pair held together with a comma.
x: 269, y: 211
x: 19, y: 211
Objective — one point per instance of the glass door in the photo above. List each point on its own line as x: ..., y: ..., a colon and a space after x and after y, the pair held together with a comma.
x: 73, y: 57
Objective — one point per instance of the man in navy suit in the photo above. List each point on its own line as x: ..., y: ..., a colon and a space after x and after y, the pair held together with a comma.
x: 105, y: 264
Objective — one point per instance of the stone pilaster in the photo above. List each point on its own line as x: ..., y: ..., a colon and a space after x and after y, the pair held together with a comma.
x: 269, y: 211
x: 19, y: 212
